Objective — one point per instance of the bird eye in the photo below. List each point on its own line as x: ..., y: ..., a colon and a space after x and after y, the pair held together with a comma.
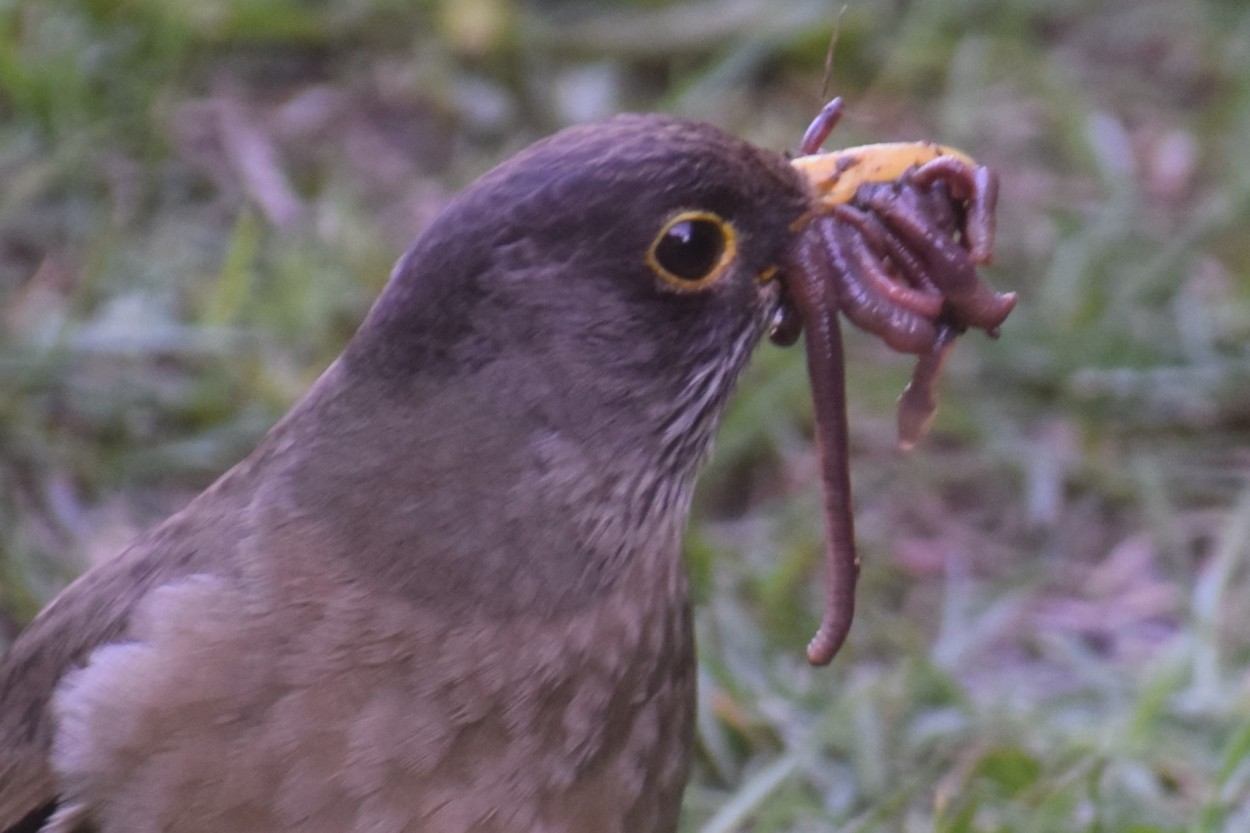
x: 692, y: 250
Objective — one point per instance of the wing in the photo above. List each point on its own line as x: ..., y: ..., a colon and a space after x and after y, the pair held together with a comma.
x: 93, y: 611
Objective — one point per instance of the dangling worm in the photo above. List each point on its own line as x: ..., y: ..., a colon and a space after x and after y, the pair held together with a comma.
x: 893, y: 242
x: 810, y: 278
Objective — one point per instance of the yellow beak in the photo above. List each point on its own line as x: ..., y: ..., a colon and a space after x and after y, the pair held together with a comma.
x: 835, y: 177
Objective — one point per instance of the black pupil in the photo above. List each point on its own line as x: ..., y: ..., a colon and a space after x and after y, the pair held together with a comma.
x: 690, y: 249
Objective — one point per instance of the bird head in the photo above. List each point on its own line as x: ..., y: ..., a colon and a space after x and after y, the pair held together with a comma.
x: 621, y: 270
x: 532, y: 392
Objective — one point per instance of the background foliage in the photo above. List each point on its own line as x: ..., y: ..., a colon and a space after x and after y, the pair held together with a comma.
x: 199, y: 200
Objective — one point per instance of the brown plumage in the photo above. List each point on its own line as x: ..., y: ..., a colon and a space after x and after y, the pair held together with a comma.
x: 445, y: 593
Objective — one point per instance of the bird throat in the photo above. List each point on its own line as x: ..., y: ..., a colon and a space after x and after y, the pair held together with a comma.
x: 494, y: 512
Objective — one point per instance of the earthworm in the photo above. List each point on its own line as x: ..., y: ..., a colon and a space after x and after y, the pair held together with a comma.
x: 893, y: 242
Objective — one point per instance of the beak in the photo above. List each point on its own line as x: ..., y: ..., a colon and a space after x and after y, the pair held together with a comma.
x: 833, y: 178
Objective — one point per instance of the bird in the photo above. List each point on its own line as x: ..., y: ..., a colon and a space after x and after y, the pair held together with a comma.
x: 446, y: 592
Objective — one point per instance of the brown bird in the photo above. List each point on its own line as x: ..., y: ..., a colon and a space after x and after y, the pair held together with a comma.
x: 446, y: 594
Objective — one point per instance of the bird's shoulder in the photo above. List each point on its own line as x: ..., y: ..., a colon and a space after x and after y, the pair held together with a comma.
x: 95, y: 610
x: 215, y: 670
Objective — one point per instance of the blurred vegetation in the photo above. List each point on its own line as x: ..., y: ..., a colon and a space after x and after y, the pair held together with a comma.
x: 200, y: 200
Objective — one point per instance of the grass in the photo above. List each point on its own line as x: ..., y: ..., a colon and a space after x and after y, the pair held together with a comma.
x: 1050, y: 628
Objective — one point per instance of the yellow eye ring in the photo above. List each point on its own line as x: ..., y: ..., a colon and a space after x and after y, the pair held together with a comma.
x: 693, y: 250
